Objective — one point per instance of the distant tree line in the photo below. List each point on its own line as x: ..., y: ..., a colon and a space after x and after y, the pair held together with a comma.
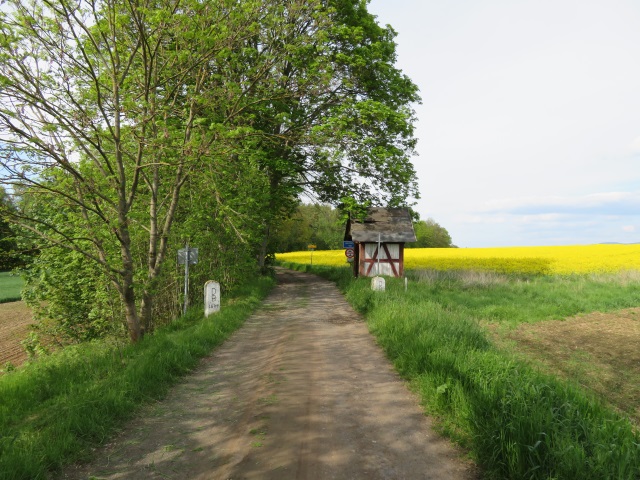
x: 319, y: 225
x: 324, y: 227
x: 430, y: 234
x: 12, y: 254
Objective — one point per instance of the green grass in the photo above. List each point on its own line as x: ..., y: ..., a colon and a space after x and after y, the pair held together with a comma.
x: 55, y: 410
x: 10, y: 287
x: 512, y: 300
x: 516, y: 422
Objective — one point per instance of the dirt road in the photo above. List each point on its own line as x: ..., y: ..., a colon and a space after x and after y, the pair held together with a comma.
x: 300, y: 392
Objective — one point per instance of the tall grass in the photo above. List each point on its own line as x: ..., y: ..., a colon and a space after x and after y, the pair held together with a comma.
x: 514, y: 299
x: 517, y: 423
x: 53, y: 411
x: 10, y: 287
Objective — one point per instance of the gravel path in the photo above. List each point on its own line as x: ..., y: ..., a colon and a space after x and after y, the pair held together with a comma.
x: 300, y: 392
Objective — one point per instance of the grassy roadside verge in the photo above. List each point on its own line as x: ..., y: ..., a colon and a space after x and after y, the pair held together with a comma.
x: 53, y: 411
x: 517, y: 422
x: 10, y: 287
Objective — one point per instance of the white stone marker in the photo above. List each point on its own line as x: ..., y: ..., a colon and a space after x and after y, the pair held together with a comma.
x: 377, y: 284
x: 211, y: 297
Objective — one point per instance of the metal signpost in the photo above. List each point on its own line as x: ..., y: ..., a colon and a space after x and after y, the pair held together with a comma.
x: 349, y: 250
x: 379, y: 253
x: 378, y: 282
x: 187, y: 256
x: 312, y: 248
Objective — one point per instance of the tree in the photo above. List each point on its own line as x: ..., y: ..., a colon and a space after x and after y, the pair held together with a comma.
x: 9, y: 256
x: 430, y: 234
x: 318, y: 225
x: 99, y: 107
x: 112, y: 112
x: 340, y: 123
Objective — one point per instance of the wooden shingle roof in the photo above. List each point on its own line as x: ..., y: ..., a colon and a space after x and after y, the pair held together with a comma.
x: 393, y: 224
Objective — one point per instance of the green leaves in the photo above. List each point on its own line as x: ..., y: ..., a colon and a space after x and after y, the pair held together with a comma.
x: 236, y: 108
x: 430, y: 234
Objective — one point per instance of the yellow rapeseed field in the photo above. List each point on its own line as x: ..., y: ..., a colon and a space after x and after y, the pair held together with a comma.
x: 544, y: 260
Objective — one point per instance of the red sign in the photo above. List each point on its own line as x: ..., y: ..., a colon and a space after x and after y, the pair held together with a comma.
x: 349, y: 252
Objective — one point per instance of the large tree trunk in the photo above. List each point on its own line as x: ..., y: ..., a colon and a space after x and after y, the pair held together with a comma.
x: 127, y: 291
x: 131, y: 313
x: 262, y: 253
x: 146, y: 309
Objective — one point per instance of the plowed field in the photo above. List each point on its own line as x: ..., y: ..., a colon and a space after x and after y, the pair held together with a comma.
x: 598, y: 350
x: 15, y: 318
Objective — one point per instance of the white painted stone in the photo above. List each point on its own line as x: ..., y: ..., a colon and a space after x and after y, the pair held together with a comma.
x: 377, y: 284
x: 211, y: 297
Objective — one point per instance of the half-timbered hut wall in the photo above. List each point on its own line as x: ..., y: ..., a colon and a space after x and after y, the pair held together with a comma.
x: 379, y: 241
x: 386, y: 261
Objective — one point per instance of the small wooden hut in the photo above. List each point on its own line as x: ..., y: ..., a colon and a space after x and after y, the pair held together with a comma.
x: 390, y: 228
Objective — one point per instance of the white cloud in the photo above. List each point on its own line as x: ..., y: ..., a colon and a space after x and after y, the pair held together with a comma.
x: 550, y: 220
x: 528, y: 108
x: 484, y: 219
x: 542, y: 217
x: 505, y: 229
x: 634, y: 147
x: 604, y: 203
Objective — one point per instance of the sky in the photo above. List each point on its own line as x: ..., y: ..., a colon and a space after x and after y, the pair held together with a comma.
x: 529, y: 126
